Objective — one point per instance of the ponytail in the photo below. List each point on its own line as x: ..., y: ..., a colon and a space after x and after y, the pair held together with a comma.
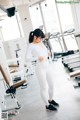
x: 31, y: 36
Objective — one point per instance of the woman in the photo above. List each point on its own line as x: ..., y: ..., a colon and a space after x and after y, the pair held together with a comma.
x: 39, y: 52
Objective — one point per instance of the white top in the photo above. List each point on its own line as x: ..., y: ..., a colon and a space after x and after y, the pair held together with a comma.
x: 36, y: 50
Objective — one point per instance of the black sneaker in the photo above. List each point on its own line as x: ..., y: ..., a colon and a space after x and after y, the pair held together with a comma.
x: 53, y: 103
x: 51, y: 107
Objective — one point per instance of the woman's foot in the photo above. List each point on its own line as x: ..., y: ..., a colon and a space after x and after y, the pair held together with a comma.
x: 53, y: 102
x: 51, y: 107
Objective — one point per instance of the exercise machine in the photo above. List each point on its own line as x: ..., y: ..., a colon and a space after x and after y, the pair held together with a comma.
x: 11, y: 89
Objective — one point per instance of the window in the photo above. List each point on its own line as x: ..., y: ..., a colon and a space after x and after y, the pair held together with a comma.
x: 67, y: 23
x: 10, y: 28
x: 36, y: 16
x: 52, y: 22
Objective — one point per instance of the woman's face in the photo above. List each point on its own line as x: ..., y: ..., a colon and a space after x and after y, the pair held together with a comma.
x: 37, y: 39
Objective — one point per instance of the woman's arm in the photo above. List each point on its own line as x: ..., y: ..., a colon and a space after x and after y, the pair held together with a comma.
x: 29, y: 56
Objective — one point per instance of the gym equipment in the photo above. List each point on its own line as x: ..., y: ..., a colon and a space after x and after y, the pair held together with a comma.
x: 54, y: 35
x: 71, y: 61
x: 16, y: 51
x: 71, y: 30
x: 62, y: 54
x: 76, y: 75
x: 74, y: 65
x: 11, y: 89
x: 58, y: 36
x: 68, y: 57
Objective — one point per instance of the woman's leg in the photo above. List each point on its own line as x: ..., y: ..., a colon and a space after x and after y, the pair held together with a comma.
x: 41, y: 75
x: 51, y: 87
x: 50, y: 81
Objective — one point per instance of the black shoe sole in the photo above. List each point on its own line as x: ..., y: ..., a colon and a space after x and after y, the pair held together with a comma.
x: 51, y: 110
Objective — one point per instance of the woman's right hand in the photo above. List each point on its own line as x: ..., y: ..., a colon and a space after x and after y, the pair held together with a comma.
x: 41, y: 58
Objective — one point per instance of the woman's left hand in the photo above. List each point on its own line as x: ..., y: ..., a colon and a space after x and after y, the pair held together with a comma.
x: 49, y: 53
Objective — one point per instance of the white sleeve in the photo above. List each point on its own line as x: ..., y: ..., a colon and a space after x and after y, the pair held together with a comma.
x: 29, y: 57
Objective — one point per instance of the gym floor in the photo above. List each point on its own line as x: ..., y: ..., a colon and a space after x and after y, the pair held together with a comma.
x: 32, y: 106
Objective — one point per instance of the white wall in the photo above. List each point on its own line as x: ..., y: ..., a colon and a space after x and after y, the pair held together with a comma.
x: 76, y: 15
x: 12, y: 45
x: 25, y: 20
x: 3, y: 60
x: 1, y: 35
x: 76, y: 18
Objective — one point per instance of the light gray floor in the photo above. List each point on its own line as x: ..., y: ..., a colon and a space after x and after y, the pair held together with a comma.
x: 33, y: 107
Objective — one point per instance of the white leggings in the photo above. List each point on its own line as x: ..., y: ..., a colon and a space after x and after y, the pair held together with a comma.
x: 45, y: 76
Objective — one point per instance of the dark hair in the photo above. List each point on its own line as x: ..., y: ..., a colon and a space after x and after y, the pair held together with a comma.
x: 37, y: 32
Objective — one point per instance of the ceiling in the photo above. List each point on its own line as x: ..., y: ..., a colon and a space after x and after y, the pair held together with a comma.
x: 11, y: 3
x: 8, y: 3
